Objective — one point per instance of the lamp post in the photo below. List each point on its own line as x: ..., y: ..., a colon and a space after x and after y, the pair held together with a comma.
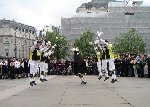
x: 15, y: 50
x: 57, y: 48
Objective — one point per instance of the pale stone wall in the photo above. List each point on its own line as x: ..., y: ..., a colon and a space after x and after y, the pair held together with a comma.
x: 17, y: 36
x: 112, y: 23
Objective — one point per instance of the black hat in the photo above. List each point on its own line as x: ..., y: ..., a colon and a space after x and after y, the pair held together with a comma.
x: 39, y: 41
x: 106, y: 40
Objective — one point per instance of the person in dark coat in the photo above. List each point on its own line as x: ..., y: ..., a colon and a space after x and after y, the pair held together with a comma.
x: 4, y: 69
x: 124, y: 67
x: 79, y: 65
x: 118, y: 65
x: 148, y: 66
x: 26, y: 67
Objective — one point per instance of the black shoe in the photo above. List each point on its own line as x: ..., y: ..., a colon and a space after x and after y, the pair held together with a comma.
x: 112, y: 81
x: 106, y: 78
x: 83, y: 82
x: 77, y: 75
x: 34, y: 83
x: 100, y: 77
x: 115, y: 79
x: 31, y: 83
x: 41, y: 80
x: 45, y: 79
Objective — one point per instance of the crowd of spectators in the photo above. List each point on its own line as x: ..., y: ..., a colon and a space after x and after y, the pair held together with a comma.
x: 127, y: 65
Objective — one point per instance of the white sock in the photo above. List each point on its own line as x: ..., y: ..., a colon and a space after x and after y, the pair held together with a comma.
x: 100, y: 73
x: 82, y: 79
x: 42, y: 76
x: 113, y: 76
x: 30, y: 79
x: 33, y: 78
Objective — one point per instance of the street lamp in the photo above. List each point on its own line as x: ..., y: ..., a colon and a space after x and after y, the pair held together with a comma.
x: 57, y: 48
x: 15, y: 50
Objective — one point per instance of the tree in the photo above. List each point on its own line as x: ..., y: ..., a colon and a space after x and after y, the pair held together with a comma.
x: 130, y: 42
x: 60, y: 42
x: 83, y: 44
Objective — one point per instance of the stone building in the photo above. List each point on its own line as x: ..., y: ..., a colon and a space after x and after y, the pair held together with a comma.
x: 51, y: 28
x: 15, y: 39
x: 109, y: 16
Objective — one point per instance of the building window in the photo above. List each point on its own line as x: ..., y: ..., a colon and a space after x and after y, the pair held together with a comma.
x: 88, y: 12
x: 6, y: 40
x: 32, y: 32
x: 25, y: 42
x: 29, y: 43
x: 22, y: 55
x: 22, y: 49
x: 129, y: 13
x: 7, y: 53
x: 16, y: 28
x: 21, y: 42
x: 26, y: 30
x: 11, y: 40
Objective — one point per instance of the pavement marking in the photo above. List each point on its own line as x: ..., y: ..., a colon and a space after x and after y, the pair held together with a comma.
x: 14, y: 90
x: 126, y: 101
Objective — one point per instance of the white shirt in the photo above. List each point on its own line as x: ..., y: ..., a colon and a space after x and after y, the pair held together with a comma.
x: 17, y: 64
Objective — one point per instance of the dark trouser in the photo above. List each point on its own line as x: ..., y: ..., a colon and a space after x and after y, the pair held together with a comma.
x: 148, y: 71
x: 12, y: 73
x: 140, y: 72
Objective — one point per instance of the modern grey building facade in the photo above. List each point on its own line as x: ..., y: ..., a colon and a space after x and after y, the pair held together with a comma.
x: 109, y: 16
x: 15, y: 39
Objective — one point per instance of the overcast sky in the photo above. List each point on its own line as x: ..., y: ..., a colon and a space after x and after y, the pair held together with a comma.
x: 38, y: 13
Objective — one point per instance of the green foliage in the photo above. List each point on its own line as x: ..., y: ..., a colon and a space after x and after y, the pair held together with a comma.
x: 83, y: 44
x: 61, y: 44
x: 130, y: 42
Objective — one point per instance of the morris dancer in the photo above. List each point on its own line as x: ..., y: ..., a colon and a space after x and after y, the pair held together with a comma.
x: 108, y: 56
x: 79, y: 64
x: 46, y: 51
x: 34, y: 61
x: 98, y: 51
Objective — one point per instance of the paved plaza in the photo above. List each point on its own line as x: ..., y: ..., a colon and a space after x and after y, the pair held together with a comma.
x: 66, y: 91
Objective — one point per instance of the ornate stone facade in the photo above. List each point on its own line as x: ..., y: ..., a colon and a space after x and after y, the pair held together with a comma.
x: 15, y: 39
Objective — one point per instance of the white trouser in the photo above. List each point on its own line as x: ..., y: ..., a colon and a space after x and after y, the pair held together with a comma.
x: 31, y: 79
x: 99, y: 68
x: 112, y: 67
x: 104, y: 67
x: 43, y: 68
x: 82, y: 79
x: 33, y: 66
x: 46, y: 67
x: 111, y: 64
